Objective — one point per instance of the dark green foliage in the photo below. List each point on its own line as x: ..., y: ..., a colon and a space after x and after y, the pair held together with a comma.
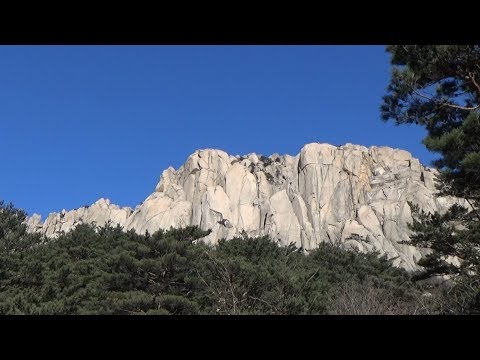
x: 265, y: 160
x: 455, y: 234
x: 438, y: 87
x: 106, y: 271
x: 109, y: 271
x: 177, y: 305
x: 13, y: 236
x: 450, y: 234
x: 270, y: 178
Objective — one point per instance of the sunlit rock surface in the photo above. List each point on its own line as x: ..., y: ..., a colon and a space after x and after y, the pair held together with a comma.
x: 349, y: 195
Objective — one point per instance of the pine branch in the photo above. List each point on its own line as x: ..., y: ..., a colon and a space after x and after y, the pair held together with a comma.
x: 460, y: 107
x: 474, y: 210
x: 472, y: 78
x: 455, y: 106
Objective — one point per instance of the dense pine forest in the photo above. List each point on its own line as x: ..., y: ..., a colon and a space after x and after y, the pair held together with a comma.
x: 109, y: 271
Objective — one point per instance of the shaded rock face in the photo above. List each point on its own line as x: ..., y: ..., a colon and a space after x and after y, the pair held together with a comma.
x: 349, y: 195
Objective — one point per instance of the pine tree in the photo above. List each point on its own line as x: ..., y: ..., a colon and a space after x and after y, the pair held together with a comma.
x: 13, y: 230
x: 438, y: 87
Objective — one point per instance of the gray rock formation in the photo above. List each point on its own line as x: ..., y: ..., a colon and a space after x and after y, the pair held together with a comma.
x: 98, y: 213
x: 349, y: 195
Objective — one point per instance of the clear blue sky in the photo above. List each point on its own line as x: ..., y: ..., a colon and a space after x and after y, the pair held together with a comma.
x: 82, y: 122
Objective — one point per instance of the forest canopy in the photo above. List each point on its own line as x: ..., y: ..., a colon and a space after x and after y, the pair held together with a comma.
x: 109, y: 271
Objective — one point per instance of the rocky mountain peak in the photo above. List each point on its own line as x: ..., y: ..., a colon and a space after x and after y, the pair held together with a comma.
x: 349, y: 195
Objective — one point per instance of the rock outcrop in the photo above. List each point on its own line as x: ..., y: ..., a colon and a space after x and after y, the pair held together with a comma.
x: 349, y: 195
x: 98, y: 214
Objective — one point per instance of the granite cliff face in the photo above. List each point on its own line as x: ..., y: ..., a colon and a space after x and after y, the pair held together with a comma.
x: 350, y: 195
